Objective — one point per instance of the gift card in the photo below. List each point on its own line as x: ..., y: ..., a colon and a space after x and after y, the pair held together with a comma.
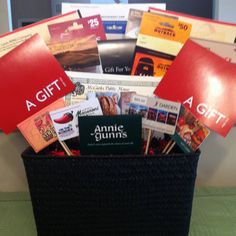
x: 157, y: 114
x: 120, y: 134
x: 38, y: 129
x: 190, y: 132
x: 65, y: 120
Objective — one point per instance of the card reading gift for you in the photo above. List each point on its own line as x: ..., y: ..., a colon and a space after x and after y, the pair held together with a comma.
x: 119, y: 134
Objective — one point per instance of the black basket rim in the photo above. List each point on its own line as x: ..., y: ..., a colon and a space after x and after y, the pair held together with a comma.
x: 29, y: 153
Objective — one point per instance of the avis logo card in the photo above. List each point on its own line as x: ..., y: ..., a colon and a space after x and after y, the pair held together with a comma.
x: 119, y: 134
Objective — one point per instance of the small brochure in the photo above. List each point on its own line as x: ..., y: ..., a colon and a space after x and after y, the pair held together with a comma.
x: 120, y: 134
x: 157, y: 114
x: 117, y: 55
x: 159, y: 40
x: 91, y: 82
x: 204, y: 28
x: 114, y: 16
x: 204, y: 83
x: 38, y: 129
x: 65, y: 120
x: 33, y: 78
x: 190, y: 132
x: 12, y: 39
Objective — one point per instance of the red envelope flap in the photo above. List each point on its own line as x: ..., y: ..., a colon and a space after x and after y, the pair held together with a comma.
x: 31, y: 79
x: 205, y: 83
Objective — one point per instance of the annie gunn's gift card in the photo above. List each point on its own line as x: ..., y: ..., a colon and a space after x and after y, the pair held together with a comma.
x: 120, y: 134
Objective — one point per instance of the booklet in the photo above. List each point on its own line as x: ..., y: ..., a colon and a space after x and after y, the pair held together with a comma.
x: 225, y: 50
x: 190, y: 132
x: 204, y: 83
x: 157, y: 114
x: 65, y: 120
x: 12, y: 39
x: 38, y: 129
x: 204, y: 28
x: 159, y: 41
x: 114, y: 16
x: 32, y: 78
x: 92, y: 82
x: 117, y: 55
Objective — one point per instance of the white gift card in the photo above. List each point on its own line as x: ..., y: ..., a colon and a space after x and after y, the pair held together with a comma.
x: 65, y: 120
x: 157, y: 114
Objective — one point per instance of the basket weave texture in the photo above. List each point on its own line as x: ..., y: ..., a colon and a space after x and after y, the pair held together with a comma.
x: 111, y: 195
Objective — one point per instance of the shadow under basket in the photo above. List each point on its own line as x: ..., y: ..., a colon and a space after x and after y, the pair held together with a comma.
x: 111, y: 195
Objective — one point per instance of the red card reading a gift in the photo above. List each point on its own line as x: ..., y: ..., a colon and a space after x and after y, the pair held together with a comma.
x: 205, y: 83
x: 31, y: 79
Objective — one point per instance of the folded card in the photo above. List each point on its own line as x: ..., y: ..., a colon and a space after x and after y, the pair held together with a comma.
x: 32, y: 78
x: 205, y: 83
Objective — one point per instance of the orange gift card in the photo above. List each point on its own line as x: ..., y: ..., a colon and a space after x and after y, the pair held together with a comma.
x: 38, y: 129
x: 159, y: 40
x: 164, y: 27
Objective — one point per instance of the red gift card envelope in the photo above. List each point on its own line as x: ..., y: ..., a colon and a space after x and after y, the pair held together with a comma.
x: 205, y: 83
x: 31, y: 79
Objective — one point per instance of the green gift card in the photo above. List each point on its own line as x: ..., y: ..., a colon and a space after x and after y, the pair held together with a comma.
x: 120, y: 134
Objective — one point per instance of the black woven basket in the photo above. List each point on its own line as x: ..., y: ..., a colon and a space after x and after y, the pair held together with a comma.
x: 111, y: 195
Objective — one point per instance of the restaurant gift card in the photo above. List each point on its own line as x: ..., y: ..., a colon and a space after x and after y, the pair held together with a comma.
x: 120, y: 134
x: 38, y: 129
x: 65, y: 120
x: 190, y: 132
x: 157, y: 114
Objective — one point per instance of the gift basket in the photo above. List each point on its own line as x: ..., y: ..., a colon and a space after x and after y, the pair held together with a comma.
x: 115, y: 125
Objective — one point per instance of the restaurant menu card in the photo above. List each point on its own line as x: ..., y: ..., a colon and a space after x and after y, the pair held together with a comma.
x: 114, y: 16
x: 12, y: 39
x: 225, y: 50
x: 204, y: 28
x: 204, y: 83
x: 33, y: 79
x: 117, y: 55
x: 38, y: 129
x: 75, y: 46
x: 91, y: 25
x: 159, y: 41
x: 120, y: 134
x: 190, y: 132
x: 91, y: 82
x: 157, y: 114
x: 65, y: 120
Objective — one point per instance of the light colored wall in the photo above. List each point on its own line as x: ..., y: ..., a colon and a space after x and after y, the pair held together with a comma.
x: 5, y: 16
x: 216, y: 165
x: 225, y: 10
